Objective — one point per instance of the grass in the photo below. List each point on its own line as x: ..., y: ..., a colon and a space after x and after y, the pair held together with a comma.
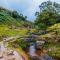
x: 4, y: 30
x: 55, y: 49
x: 51, y: 37
x: 55, y: 28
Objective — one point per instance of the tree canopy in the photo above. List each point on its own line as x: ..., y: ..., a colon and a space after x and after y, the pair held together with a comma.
x: 48, y: 15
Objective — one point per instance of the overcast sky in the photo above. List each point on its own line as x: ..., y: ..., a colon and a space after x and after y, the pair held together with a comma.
x: 27, y: 7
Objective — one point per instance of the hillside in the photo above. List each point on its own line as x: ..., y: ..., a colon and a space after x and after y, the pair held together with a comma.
x: 53, y: 32
x: 12, y: 18
x: 52, y: 38
x: 12, y: 23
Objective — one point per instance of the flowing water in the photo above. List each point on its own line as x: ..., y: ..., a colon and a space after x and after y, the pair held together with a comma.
x: 32, y: 53
x: 32, y: 50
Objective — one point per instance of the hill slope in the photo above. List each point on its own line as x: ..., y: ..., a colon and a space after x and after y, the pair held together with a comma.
x: 12, y: 23
x: 52, y: 38
x: 12, y: 18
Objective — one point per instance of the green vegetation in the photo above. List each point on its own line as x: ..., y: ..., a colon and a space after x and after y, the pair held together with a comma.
x: 5, y: 30
x: 47, y: 21
x: 13, y: 18
x: 18, y: 43
x: 48, y: 15
x: 12, y: 23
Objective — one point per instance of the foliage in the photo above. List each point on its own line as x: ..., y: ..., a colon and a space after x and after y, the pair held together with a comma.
x: 18, y: 43
x: 55, y: 49
x: 52, y: 38
x: 48, y: 15
x: 12, y: 18
x: 6, y: 31
x: 50, y: 6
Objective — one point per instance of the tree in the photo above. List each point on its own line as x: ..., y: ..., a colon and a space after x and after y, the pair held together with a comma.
x: 49, y: 14
x: 50, y: 6
x: 15, y: 14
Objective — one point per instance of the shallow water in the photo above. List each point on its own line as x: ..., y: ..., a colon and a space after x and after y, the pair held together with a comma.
x: 32, y: 50
x: 32, y: 53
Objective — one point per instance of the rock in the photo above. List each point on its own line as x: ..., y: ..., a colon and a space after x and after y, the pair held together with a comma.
x: 10, y: 52
x: 1, y: 55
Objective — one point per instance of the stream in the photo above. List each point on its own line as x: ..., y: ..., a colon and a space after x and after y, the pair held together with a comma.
x: 32, y: 50
x: 16, y: 56
x: 33, y: 54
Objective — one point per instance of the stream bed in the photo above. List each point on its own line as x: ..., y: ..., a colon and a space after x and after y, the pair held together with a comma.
x: 35, y: 56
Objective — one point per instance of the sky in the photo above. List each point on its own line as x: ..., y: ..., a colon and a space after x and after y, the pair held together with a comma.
x: 26, y: 7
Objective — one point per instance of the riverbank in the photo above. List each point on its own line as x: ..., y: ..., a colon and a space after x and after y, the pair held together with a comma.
x: 22, y: 53
x: 7, y: 53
